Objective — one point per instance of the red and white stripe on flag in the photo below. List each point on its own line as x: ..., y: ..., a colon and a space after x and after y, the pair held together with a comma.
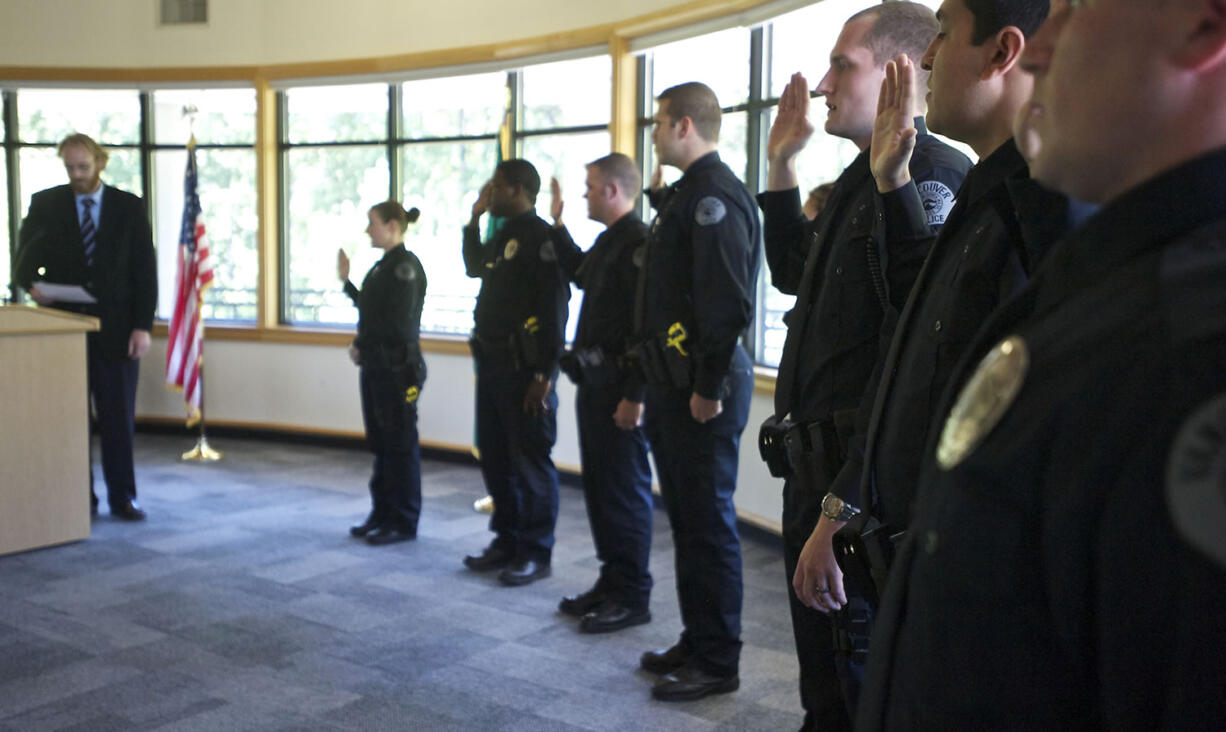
x: 184, y: 349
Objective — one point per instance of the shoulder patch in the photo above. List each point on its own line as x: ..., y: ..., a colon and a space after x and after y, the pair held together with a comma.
x: 547, y: 252
x: 405, y: 271
x: 710, y: 210
x: 1196, y: 479
x: 938, y: 200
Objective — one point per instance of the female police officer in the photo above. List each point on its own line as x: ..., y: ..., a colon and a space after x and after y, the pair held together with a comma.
x: 392, y: 371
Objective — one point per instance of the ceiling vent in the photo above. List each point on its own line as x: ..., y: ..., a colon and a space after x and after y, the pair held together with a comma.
x: 177, y: 12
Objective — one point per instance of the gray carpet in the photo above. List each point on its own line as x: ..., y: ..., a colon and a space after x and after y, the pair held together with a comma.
x: 243, y: 604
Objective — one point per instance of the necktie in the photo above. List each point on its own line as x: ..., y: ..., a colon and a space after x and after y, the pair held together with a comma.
x: 88, y: 231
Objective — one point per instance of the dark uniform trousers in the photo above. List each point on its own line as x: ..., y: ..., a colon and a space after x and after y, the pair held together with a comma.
x: 515, y: 461
x: 390, y: 416
x: 617, y: 491
x: 697, y: 470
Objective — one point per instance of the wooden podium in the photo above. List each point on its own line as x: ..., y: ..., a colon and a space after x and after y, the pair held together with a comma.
x: 44, y: 433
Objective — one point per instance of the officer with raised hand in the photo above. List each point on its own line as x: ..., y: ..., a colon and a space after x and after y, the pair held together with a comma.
x: 695, y: 298
x: 1066, y: 564
x: 609, y: 397
x: 520, y: 317
x: 992, y: 241
x: 836, y: 265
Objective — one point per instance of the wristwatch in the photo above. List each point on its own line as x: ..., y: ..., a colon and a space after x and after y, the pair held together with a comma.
x: 836, y: 509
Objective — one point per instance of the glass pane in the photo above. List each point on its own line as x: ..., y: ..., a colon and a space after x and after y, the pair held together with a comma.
x: 223, y: 116
x: 443, y: 179
x: 41, y: 168
x: 566, y: 157
x: 49, y: 115
x: 719, y: 60
x: 568, y: 93
x: 330, y: 189
x: 802, y: 41
x: 227, y: 199
x: 454, y: 106
x: 337, y: 113
x: 5, y: 255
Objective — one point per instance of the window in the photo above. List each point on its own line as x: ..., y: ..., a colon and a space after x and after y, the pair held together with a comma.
x: 435, y: 149
x: 224, y: 128
x: 452, y: 127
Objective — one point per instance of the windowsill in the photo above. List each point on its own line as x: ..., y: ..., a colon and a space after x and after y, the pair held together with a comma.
x: 456, y: 345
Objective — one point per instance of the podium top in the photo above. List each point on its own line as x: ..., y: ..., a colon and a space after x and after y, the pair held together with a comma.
x: 25, y: 319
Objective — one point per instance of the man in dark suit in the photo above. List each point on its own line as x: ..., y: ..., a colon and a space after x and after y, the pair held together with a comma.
x: 96, y: 236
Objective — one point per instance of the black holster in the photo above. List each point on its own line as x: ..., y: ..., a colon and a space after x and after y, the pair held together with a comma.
x: 787, y: 446
x: 662, y: 365
x: 590, y: 367
x: 864, y: 548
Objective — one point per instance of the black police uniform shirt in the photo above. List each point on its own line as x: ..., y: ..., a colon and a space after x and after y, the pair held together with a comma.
x: 700, y: 269
x: 389, y: 307
x: 834, y: 328
x: 997, y: 232
x: 608, y: 275
x: 1069, y: 570
x: 523, y: 293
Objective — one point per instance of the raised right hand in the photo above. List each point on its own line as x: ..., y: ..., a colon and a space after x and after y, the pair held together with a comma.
x: 894, y: 129
x: 482, y: 204
x: 342, y: 265
x: 791, y: 129
x: 555, y: 201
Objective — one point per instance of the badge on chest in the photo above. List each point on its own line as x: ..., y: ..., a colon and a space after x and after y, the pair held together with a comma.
x: 984, y: 400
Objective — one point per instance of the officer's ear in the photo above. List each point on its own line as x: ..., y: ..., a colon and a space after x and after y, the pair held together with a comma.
x: 1203, y: 46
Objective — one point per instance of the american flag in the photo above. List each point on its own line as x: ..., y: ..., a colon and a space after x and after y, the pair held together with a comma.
x: 184, y: 349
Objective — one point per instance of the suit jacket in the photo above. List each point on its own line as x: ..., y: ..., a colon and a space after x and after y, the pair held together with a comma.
x: 123, y: 276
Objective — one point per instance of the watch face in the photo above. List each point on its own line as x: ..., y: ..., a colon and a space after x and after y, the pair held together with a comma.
x: 832, y: 505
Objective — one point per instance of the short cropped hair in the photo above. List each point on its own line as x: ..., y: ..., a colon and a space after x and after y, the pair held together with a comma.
x: 519, y: 172
x: 100, y: 155
x: 992, y: 15
x: 621, y: 169
x: 694, y: 100
x: 392, y: 211
x: 901, y: 27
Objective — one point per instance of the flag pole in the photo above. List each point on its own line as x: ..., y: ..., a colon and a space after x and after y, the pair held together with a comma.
x: 202, y: 452
x: 185, y: 342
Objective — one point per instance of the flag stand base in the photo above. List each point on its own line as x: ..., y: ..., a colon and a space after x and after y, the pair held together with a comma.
x: 201, y: 452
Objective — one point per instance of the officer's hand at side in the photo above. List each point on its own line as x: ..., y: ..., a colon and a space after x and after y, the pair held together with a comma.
x: 342, y: 265
x: 628, y: 415
x: 138, y: 343
x: 704, y: 410
x: 817, y: 569
x: 355, y: 355
x: 39, y: 297
x: 791, y: 130
x: 894, y: 129
x: 555, y: 202
x: 534, y: 399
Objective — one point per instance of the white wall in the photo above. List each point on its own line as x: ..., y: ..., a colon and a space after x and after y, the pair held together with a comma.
x: 307, y: 387
x: 124, y: 33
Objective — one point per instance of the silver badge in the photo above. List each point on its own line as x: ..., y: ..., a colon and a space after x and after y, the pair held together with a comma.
x: 1196, y: 479
x: 639, y: 256
x: 548, y: 254
x: 984, y: 400
x: 938, y: 200
x: 710, y: 210
x: 511, y: 249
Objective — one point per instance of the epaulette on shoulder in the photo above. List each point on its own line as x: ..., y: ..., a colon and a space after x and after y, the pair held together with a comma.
x: 1193, y: 284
